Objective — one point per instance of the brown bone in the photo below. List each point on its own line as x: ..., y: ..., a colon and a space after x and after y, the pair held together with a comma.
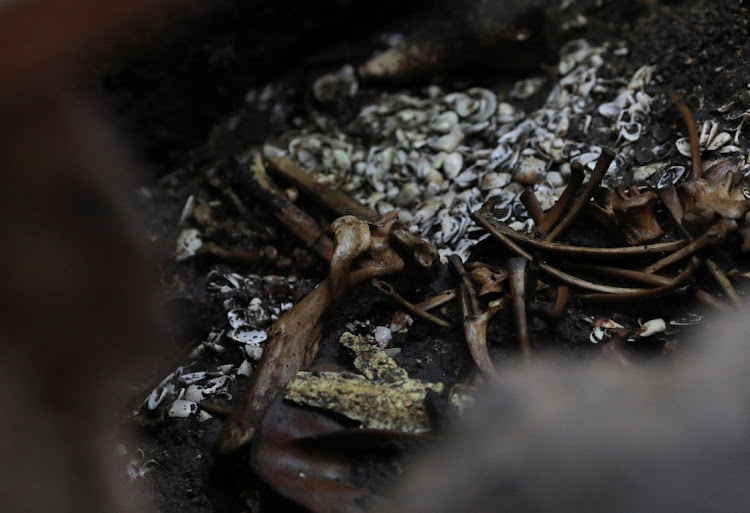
x: 293, y: 338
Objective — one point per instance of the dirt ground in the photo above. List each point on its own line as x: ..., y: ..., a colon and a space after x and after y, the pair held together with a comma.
x: 173, y: 95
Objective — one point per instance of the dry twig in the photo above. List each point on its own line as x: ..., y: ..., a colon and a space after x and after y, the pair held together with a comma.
x: 517, y: 278
x: 605, y: 159
x: 388, y: 290
x: 724, y: 283
x: 475, y: 320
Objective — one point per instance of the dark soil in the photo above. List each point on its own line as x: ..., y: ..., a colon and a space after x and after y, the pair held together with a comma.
x: 169, y: 93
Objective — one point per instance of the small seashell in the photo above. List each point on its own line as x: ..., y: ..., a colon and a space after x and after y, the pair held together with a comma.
x: 237, y: 317
x: 188, y: 242
x: 452, y: 164
x: 463, y: 104
x: 530, y: 170
x: 683, y: 146
x: 247, y: 335
x: 156, y: 397
x: 406, y: 217
x: 597, y: 335
x: 718, y: 141
x: 643, y: 173
x: 444, y: 122
x: 245, y: 369
x: 408, y: 193
x: 194, y: 393
x: 384, y: 207
x: 434, y: 177
x: 392, y: 352
x: 651, y: 327
x: 193, y: 377
x: 494, y: 180
x: 466, y: 177
x: 670, y: 176
x: 182, y: 408
x: 400, y: 321
x: 630, y: 131
x: 448, y: 142
x: 588, y: 159
x: 609, y: 110
x: 500, y: 154
x: 554, y: 179
x: 606, y: 323
x: 187, y: 210
x: 215, y: 385
x: 573, y: 52
x: 708, y: 133
x: 341, y: 160
x: 486, y: 104
x: 253, y: 351
x: 507, y: 113
x: 731, y: 149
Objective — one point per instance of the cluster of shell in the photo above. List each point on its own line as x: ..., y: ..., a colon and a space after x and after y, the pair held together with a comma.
x: 436, y: 156
x: 251, y: 304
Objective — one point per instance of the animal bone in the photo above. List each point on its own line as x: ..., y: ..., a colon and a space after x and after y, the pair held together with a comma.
x: 293, y: 338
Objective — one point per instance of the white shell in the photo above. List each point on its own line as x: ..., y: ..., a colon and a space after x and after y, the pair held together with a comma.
x: 718, y: 141
x: 670, y: 176
x: 609, y: 110
x: 486, y: 104
x: 448, y: 142
x: 530, y: 170
x: 236, y: 317
x: 597, y: 335
x: 247, y: 335
x: 187, y: 210
x: 467, y: 177
x: 643, y: 173
x: 245, y: 369
x: 630, y: 131
x: 407, y: 194
x: 652, y: 327
x: 193, y: 377
x: 156, y: 397
x: 188, y: 242
x: 452, y: 164
x: 194, y: 393
x: 683, y: 146
x: 215, y: 385
x: 554, y: 179
x: 182, y: 408
x: 494, y: 180
x: 507, y: 113
x: 400, y: 322
x: 444, y: 122
x: 708, y: 133
x: 500, y: 154
x: 253, y: 351
x: 607, y: 323
x: 731, y: 149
